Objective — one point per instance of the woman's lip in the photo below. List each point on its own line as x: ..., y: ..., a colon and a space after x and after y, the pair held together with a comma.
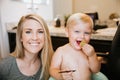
x: 34, y: 43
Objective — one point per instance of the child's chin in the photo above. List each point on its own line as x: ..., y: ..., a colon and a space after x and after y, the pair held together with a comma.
x: 79, y: 48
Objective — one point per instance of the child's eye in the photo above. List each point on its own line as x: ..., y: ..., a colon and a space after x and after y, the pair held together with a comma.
x: 88, y: 33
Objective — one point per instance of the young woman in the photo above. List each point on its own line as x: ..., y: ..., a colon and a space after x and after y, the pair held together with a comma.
x: 32, y: 56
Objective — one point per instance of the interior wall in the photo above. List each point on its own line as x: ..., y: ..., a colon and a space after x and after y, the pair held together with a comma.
x: 62, y: 7
x: 13, y: 10
x: 103, y: 7
x: 0, y: 32
x: 4, y: 46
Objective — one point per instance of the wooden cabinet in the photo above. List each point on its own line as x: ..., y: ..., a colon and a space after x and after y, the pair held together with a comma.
x: 99, y: 45
x: 12, y: 41
x: 58, y: 41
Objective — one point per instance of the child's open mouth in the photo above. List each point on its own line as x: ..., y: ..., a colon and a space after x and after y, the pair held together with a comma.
x: 78, y: 42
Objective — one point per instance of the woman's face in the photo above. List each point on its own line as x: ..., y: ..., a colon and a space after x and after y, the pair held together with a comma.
x: 77, y: 33
x: 32, y: 36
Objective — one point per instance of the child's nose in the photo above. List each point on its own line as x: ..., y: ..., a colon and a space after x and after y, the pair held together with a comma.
x: 82, y: 35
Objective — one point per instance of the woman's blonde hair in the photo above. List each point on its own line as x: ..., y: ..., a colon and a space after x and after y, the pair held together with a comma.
x: 45, y: 54
x: 79, y: 17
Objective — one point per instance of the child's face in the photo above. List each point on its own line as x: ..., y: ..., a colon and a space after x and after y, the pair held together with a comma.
x: 32, y: 36
x: 79, y: 32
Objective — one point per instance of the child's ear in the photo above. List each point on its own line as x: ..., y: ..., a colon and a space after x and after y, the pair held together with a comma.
x: 66, y: 32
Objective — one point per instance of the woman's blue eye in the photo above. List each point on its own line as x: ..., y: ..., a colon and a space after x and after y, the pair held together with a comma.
x: 28, y: 32
x: 41, y: 31
x: 77, y: 31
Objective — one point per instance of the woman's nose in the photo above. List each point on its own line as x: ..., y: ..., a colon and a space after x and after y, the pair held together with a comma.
x: 34, y: 36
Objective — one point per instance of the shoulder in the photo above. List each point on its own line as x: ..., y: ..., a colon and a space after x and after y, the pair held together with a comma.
x: 61, y: 49
x: 6, y: 63
x: 7, y: 60
x: 5, y: 66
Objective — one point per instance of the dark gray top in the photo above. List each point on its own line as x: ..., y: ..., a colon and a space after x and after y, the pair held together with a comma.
x: 10, y: 71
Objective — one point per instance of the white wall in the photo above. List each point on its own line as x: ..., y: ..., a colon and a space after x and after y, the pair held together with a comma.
x: 4, y: 47
x: 0, y: 33
x: 62, y: 7
x: 103, y: 7
x: 13, y: 10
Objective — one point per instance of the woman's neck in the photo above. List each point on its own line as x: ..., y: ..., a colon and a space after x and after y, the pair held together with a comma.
x: 29, y: 65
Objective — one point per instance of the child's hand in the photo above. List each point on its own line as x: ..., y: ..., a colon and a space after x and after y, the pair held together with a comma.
x: 67, y: 75
x: 82, y: 43
x: 87, y: 49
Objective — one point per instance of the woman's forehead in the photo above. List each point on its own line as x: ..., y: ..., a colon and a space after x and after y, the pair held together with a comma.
x: 31, y: 23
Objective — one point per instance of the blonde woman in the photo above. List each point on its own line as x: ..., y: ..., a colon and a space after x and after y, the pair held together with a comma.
x: 32, y: 56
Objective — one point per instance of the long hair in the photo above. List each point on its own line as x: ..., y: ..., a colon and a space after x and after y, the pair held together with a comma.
x: 47, y: 51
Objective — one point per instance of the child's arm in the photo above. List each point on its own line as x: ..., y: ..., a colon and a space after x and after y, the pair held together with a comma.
x: 55, y: 65
x: 94, y: 63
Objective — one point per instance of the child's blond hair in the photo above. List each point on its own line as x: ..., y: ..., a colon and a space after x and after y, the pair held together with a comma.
x: 79, y: 17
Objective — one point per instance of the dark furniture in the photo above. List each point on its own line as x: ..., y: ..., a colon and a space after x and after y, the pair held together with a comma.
x: 12, y: 41
x: 99, y: 45
x: 113, y: 65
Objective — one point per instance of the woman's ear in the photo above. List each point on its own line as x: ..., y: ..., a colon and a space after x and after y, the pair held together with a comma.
x: 21, y: 40
x: 66, y: 31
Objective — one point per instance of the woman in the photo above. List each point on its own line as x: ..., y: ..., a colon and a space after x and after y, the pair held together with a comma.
x: 32, y: 56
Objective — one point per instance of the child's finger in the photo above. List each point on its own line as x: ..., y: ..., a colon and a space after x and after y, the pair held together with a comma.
x: 67, y: 76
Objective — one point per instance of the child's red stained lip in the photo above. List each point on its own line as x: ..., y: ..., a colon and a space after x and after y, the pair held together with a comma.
x: 67, y: 71
x: 78, y: 42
